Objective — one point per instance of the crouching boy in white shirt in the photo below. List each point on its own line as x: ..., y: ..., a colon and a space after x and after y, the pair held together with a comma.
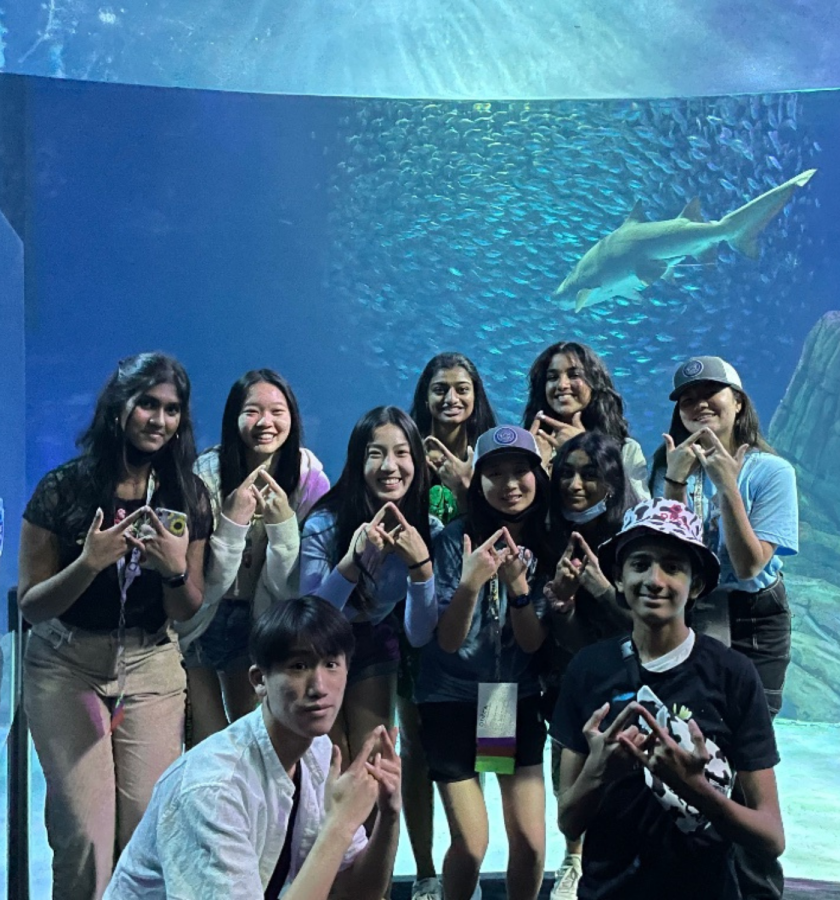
x: 261, y: 806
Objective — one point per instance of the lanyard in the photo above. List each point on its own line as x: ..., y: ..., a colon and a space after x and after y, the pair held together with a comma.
x: 494, y: 610
x: 126, y: 573
x: 698, y: 497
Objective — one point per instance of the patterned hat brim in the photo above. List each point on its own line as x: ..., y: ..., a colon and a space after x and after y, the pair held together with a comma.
x: 608, y: 552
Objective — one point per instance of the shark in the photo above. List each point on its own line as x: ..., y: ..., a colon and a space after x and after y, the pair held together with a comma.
x: 640, y: 252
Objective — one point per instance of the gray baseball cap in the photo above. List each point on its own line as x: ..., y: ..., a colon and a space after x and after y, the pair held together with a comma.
x: 704, y: 368
x: 506, y: 439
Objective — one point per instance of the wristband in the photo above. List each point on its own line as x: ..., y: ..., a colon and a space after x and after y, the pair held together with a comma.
x: 676, y: 483
x: 519, y: 602
x: 420, y: 564
x: 176, y: 581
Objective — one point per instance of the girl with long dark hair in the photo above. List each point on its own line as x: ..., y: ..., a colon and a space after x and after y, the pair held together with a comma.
x: 491, y: 566
x: 716, y: 461
x: 111, y: 553
x: 588, y: 498
x: 451, y: 410
x: 365, y: 548
x: 262, y: 483
x: 571, y: 391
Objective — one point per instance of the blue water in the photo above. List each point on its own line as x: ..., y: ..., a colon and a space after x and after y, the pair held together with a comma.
x: 431, y: 48
x: 344, y: 241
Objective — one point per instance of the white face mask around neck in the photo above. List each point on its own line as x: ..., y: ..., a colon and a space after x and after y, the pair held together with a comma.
x: 586, y: 515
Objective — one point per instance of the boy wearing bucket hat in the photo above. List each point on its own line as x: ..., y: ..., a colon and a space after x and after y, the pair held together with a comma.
x: 655, y: 727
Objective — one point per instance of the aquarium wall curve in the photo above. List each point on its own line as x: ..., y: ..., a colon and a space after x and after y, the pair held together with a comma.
x: 345, y: 241
x: 12, y: 408
x: 431, y: 48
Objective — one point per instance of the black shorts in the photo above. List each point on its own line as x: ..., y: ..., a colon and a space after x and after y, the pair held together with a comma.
x: 447, y: 731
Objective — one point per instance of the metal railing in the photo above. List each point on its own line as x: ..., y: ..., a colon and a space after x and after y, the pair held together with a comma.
x: 17, y: 800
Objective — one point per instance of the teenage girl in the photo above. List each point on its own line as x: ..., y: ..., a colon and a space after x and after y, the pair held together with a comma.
x: 365, y: 548
x: 491, y: 566
x: 102, y: 577
x: 716, y: 461
x: 588, y: 500
x: 262, y: 483
x: 451, y: 410
x: 570, y: 391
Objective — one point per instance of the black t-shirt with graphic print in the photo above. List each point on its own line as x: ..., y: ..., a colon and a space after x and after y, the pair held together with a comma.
x: 633, y: 848
x: 98, y: 607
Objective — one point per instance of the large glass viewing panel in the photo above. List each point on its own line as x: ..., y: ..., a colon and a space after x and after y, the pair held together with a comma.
x: 346, y: 238
x: 345, y: 241
x: 431, y: 48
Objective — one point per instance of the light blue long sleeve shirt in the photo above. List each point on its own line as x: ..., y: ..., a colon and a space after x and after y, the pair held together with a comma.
x: 391, y: 582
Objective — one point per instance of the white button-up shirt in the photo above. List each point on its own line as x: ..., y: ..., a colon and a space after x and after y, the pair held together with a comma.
x: 218, y: 817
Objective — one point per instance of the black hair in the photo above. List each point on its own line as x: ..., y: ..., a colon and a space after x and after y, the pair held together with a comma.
x: 308, y: 622
x: 482, y: 520
x: 605, y: 455
x: 698, y: 569
x: 350, y: 501
x: 233, y: 467
x: 482, y: 417
x: 746, y: 430
x: 605, y: 410
x: 102, y: 444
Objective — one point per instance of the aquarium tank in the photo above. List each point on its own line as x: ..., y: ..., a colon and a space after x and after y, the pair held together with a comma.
x: 341, y: 192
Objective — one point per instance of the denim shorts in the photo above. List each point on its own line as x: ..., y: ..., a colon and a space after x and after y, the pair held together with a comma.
x: 224, y: 645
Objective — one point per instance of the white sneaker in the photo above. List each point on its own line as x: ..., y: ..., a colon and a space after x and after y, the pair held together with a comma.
x: 567, y: 878
x: 426, y: 889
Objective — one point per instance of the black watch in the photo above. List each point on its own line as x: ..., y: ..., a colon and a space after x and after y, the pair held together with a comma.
x: 519, y: 602
x: 176, y: 581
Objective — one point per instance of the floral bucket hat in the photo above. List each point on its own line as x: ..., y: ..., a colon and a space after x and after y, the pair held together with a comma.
x: 667, y: 517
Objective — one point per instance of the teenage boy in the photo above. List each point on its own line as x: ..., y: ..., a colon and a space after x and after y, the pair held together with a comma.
x: 262, y: 804
x: 655, y: 727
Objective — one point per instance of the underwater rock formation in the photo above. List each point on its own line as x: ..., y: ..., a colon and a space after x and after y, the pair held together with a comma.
x: 806, y: 430
x: 812, y: 690
x: 806, y: 426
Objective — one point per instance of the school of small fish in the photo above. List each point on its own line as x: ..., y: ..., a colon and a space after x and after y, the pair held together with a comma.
x: 452, y: 224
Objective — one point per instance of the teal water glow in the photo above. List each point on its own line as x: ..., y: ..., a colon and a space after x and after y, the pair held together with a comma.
x: 433, y: 48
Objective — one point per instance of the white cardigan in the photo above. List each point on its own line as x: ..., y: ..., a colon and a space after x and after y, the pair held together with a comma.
x: 279, y: 577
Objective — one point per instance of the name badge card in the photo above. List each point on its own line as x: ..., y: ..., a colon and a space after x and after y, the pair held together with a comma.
x: 495, y: 743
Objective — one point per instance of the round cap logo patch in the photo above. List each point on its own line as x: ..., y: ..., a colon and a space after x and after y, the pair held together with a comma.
x: 692, y: 367
x: 504, y: 436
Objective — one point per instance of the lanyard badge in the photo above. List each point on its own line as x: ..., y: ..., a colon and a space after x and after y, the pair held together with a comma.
x: 126, y: 573
x: 495, y: 740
